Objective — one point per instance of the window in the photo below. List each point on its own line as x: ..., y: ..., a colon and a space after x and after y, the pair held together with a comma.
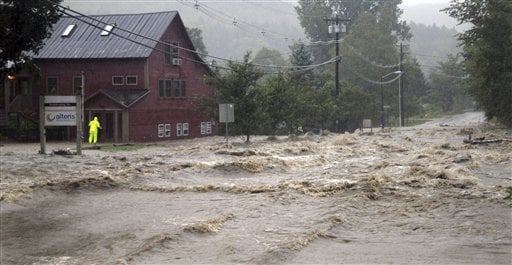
x: 171, y: 88
x: 161, y: 131
x: 206, y: 127
x: 168, y: 130
x: 69, y: 29
x: 117, y: 80
x: 77, y: 84
x: 107, y: 29
x: 52, y: 85
x: 209, y: 127
x: 167, y: 52
x: 179, y: 88
x: 164, y: 88
x: 203, y: 127
x: 131, y: 80
x: 179, y: 129
x: 185, y: 129
x: 171, y: 51
x: 182, y: 129
x: 175, y: 50
x: 164, y: 130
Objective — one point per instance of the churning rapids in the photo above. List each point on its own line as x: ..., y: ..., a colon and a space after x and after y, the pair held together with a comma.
x: 401, y: 195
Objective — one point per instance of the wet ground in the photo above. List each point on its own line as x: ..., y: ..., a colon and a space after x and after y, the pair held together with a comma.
x: 406, y: 196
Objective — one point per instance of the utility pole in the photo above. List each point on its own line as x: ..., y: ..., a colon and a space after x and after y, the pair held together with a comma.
x: 400, y: 88
x: 336, y: 27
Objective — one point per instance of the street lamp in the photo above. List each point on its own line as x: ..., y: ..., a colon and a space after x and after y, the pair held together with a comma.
x: 382, y: 96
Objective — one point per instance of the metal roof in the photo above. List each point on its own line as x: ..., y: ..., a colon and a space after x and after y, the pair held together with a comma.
x: 85, y: 41
x: 125, y: 97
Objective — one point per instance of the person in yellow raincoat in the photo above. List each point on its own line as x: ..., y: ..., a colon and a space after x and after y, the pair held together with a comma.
x: 94, y: 125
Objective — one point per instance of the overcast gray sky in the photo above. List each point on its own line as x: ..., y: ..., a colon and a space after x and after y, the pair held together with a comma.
x: 417, y: 2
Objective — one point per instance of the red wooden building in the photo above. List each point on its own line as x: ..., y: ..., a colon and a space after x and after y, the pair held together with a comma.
x: 140, y: 74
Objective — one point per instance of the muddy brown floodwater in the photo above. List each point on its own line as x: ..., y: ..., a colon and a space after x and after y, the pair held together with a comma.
x: 406, y: 196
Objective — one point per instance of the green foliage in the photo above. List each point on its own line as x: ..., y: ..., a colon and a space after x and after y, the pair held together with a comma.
x: 488, y: 54
x: 301, y: 57
x: 238, y: 85
x: 448, y: 86
x: 356, y: 105
x: 285, y: 103
x: 266, y: 56
x: 370, y: 51
x: 23, y: 26
x: 311, y: 16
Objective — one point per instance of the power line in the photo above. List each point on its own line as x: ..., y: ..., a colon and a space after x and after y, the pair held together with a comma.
x: 371, y: 80
x: 376, y: 64
x: 82, y: 16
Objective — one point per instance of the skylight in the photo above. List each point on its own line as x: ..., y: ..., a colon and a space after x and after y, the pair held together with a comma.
x: 68, y: 30
x: 107, y: 29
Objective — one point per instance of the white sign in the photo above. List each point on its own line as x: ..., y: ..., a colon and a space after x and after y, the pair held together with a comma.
x: 226, y: 113
x: 367, y: 123
x: 60, y: 111
x: 60, y: 118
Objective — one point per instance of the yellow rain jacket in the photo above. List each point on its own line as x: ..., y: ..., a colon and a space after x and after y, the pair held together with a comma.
x: 94, y: 125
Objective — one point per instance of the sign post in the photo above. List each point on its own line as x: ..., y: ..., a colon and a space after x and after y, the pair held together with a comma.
x: 60, y: 111
x: 42, y: 130
x: 226, y: 115
x: 79, y: 122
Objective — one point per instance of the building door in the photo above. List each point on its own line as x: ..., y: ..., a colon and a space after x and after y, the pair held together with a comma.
x: 108, y: 124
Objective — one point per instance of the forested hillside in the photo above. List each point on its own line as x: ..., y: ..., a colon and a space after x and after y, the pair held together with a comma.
x: 432, y: 44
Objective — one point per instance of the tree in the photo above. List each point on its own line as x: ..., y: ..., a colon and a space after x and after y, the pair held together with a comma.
x: 311, y: 15
x: 301, y: 57
x: 487, y: 52
x: 24, y: 25
x: 285, y: 103
x: 196, y: 37
x: 238, y: 85
x: 269, y: 58
x: 448, y: 86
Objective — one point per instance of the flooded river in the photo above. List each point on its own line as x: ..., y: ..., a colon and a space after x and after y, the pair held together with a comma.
x: 401, y: 195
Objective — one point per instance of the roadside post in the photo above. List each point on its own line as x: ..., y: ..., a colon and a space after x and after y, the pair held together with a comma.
x: 227, y: 115
x: 60, y: 111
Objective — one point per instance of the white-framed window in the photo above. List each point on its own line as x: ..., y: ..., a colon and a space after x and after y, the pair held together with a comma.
x: 206, y: 127
x: 161, y: 131
x: 209, y: 127
x: 185, y: 129
x: 203, y: 128
x: 164, y: 130
x: 131, y: 80
x: 167, y: 130
x: 117, y: 80
x: 179, y: 129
